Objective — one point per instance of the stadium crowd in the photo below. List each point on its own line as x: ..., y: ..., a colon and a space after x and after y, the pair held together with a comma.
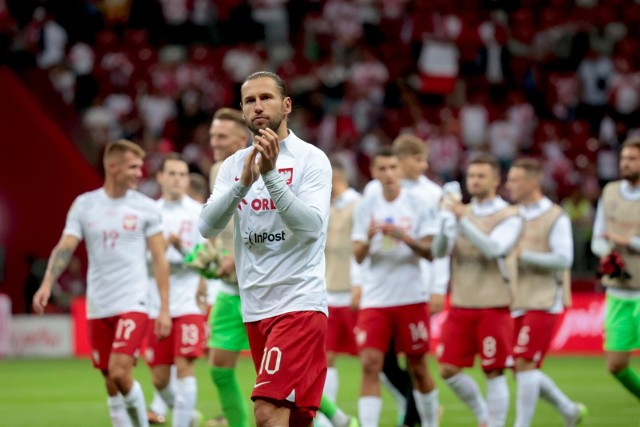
x: 555, y: 79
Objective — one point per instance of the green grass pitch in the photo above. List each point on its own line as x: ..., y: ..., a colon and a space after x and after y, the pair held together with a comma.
x: 69, y: 393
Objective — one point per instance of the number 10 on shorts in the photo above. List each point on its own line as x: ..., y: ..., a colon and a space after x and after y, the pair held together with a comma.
x: 271, y: 358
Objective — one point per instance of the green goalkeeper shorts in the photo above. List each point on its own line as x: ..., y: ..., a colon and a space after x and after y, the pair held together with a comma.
x: 621, y: 324
x: 227, y: 328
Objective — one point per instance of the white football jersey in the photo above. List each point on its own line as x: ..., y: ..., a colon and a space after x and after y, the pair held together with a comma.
x: 394, y: 274
x: 436, y: 273
x: 181, y: 218
x: 277, y: 272
x: 115, y: 232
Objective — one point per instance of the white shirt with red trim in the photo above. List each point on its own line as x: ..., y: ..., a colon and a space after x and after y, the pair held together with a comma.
x: 395, y: 275
x: 279, y: 270
x: 115, y: 233
x: 180, y: 218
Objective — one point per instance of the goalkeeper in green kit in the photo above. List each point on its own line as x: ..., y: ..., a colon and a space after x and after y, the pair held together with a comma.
x: 616, y: 240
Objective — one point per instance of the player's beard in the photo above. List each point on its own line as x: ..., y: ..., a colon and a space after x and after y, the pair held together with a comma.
x: 273, y: 124
x: 633, y: 177
x: 479, y: 194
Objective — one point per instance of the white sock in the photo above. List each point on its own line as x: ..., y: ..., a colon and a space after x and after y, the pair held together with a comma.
x: 369, y: 409
x: 497, y: 401
x: 398, y: 397
x: 331, y: 383
x: 158, y: 405
x: 468, y: 391
x: 168, y: 395
x: 528, y: 383
x: 550, y: 392
x: 340, y: 419
x: 136, y: 406
x: 118, y: 412
x: 186, y: 395
x: 427, y: 406
x: 321, y: 420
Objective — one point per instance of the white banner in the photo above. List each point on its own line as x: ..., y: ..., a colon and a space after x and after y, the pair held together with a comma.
x: 5, y: 324
x: 41, y: 336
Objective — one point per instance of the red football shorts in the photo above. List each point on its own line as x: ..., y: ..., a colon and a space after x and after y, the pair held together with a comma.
x: 185, y: 340
x: 340, y: 330
x: 122, y: 333
x: 407, y: 324
x: 485, y: 331
x: 290, y: 359
x: 533, y: 334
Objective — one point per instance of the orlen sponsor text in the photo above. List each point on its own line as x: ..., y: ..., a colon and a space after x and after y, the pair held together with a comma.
x: 258, y: 204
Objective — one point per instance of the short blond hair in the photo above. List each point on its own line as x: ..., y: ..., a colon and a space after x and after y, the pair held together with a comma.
x: 230, y: 114
x: 120, y: 147
x: 529, y: 165
x: 487, y: 159
x: 632, y: 143
x: 407, y: 144
x: 198, y: 186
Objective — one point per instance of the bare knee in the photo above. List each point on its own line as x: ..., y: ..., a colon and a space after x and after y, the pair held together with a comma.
x: 617, y: 361
x: 371, y: 361
x: 120, y: 376
x: 447, y: 371
x: 616, y: 366
x: 418, y: 366
x: 121, y: 372
x: 269, y: 415
x: 331, y: 359
x: 160, y: 383
x: 523, y: 365
x: 185, y: 367
x: 422, y: 379
x: 262, y: 412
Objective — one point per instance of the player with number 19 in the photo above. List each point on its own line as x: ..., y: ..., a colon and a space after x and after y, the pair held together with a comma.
x: 184, y: 345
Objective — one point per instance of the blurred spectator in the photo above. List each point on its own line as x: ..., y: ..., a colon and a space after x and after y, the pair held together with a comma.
x: 607, y: 165
x: 563, y: 97
x: 502, y: 137
x: 81, y: 59
x: 594, y: 72
x: 624, y: 91
x: 438, y: 62
x: 445, y: 149
x: 474, y: 120
x: 241, y: 61
x: 102, y: 126
x: 54, y: 39
x: 176, y: 15
x: 64, y: 81
x: 155, y: 108
x: 522, y: 116
x: 273, y: 15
